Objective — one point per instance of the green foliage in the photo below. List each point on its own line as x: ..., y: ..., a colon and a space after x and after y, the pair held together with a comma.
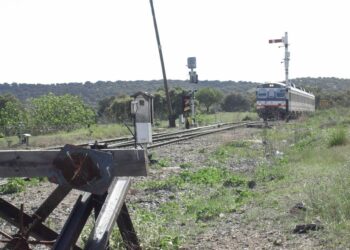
x: 16, y: 185
x: 115, y: 109
x: 204, y: 176
x: 337, y: 137
x: 267, y: 172
x: 233, y: 149
x: 235, y: 102
x: 160, y: 105
x: 12, y: 115
x: 216, y: 202
x: 52, y: 113
x: 234, y: 181
x: 208, y: 97
x: 209, y: 176
x: 163, y: 163
x: 186, y: 165
x: 92, y: 93
x: 330, y: 197
x: 247, y: 118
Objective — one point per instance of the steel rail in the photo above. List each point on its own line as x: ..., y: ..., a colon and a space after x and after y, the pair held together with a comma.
x: 126, y: 140
x: 176, y: 135
x: 194, y: 135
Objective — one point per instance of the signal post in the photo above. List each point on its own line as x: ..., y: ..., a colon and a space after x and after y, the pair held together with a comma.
x: 284, y: 40
x: 189, y: 98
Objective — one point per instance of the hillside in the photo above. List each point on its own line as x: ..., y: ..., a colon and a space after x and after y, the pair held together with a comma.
x: 94, y: 92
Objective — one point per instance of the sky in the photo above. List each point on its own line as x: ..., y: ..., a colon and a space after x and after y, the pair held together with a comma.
x: 58, y: 41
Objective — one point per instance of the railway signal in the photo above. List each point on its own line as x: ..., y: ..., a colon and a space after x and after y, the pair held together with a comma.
x: 186, y: 104
x: 192, y: 64
x: 284, y: 40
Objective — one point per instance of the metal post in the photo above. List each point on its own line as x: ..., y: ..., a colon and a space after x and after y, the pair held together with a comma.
x: 286, y: 57
x: 172, y: 118
x: 193, y: 111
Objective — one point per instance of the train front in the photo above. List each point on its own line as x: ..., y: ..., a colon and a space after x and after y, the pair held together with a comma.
x: 271, y: 101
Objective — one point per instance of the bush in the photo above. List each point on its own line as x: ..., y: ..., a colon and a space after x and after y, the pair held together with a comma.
x: 337, y: 138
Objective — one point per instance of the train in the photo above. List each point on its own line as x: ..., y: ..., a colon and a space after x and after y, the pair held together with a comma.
x: 279, y: 101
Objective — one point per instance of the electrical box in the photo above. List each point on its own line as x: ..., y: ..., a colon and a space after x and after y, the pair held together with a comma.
x: 144, y: 133
x: 142, y: 110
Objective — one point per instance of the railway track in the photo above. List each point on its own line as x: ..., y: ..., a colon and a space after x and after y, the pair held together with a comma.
x: 165, y: 138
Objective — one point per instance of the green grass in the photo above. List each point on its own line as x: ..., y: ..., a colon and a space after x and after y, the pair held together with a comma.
x: 314, y: 169
x: 337, y: 137
x: 196, y: 196
x: 205, y: 119
x: 96, y: 132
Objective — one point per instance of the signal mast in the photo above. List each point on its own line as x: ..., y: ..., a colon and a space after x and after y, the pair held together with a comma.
x: 284, y: 40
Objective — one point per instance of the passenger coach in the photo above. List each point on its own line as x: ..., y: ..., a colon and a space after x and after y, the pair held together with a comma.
x: 280, y: 101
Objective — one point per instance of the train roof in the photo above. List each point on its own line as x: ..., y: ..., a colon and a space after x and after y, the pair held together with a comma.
x: 271, y: 85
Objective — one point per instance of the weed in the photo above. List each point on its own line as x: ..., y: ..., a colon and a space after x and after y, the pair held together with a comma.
x: 234, y: 181
x: 238, y: 144
x: 201, y: 151
x: 267, y: 172
x: 247, y: 118
x: 16, y: 185
x: 220, y: 201
x: 208, y: 176
x: 205, y: 176
x: 329, y: 197
x: 186, y: 165
x: 169, y: 242
x: 337, y: 137
x: 163, y: 163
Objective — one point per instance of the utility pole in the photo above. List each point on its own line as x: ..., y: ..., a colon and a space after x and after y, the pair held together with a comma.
x: 171, y: 116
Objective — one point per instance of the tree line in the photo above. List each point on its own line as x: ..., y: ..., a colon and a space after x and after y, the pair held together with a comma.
x: 207, y: 100
x: 52, y: 112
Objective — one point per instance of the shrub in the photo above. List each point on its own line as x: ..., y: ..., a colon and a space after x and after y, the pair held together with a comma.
x: 337, y: 137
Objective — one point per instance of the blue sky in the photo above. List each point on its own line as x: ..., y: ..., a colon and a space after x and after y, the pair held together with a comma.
x: 49, y: 41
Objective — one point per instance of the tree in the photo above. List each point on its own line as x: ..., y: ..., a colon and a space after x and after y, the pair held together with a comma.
x: 208, y: 97
x: 160, y: 107
x: 53, y: 113
x: 115, y: 108
x: 120, y: 108
x: 12, y: 115
x: 235, y: 102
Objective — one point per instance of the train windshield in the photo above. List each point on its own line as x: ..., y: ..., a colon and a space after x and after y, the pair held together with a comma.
x: 281, y: 93
x: 261, y: 93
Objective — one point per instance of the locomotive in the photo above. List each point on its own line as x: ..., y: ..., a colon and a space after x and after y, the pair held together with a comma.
x: 280, y: 101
